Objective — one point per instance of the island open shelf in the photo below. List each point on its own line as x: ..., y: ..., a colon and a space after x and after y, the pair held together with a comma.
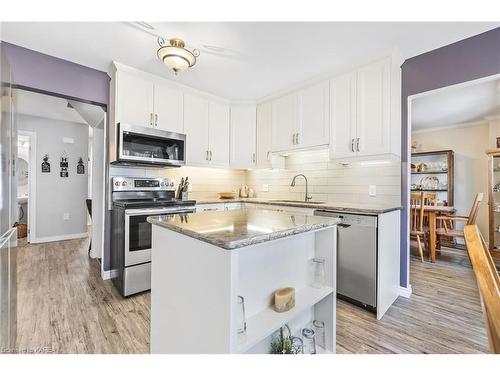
x: 263, y: 324
x: 195, y: 287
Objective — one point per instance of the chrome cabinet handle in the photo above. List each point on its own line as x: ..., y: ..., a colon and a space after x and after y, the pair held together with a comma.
x: 352, y: 144
x: 297, y: 140
x: 210, y: 155
x: 268, y: 155
x: 151, y: 119
x: 206, y: 155
x: 253, y: 157
x: 357, y: 144
x: 293, y: 139
x: 156, y: 119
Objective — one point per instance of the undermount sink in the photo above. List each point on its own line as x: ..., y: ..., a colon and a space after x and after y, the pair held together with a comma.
x: 296, y: 201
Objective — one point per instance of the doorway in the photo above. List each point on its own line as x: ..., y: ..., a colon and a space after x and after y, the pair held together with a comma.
x: 463, y: 120
x: 61, y: 148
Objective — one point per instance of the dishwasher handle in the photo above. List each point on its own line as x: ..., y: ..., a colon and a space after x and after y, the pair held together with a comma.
x: 340, y: 225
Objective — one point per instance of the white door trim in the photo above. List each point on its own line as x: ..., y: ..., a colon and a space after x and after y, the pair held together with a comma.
x: 411, y: 98
x: 31, y: 205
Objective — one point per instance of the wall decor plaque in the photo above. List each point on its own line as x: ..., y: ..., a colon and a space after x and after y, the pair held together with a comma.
x: 64, y: 166
x: 46, y: 164
x: 80, y: 168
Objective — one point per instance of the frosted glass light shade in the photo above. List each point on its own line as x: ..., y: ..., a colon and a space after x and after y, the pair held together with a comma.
x: 176, y: 58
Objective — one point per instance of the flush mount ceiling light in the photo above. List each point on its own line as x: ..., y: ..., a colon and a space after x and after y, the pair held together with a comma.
x: 175, y: 56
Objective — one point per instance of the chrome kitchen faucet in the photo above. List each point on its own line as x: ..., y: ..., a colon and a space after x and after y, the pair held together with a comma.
x: 307, y: 197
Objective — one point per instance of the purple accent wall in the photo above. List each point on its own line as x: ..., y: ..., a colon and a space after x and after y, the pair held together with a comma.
x: 466, y: 60
x: 45, y: 73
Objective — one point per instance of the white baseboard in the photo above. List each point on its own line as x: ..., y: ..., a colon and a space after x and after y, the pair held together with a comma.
x: 405, y: 292
x: 60, y: 238
x: 106, y: 275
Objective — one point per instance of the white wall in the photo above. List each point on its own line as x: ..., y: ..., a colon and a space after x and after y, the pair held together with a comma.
x: 471, y: 164
x: 55, y: 195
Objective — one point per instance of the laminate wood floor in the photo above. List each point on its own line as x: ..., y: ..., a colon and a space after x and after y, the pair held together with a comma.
x: 65, y: 307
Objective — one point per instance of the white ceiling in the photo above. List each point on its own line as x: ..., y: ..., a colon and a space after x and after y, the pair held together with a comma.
x: 240, y: 61
x: 456, y: 105
x: 53, y: 108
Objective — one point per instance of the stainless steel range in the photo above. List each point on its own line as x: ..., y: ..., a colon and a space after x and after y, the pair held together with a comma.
x: 134, y: 199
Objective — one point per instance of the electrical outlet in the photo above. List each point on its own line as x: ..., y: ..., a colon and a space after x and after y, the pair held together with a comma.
x: 265, y: 187
x: 372, y: 190
x: 66, y: 216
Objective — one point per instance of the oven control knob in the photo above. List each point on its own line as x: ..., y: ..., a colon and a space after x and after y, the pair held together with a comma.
x: 162, y: 184
x: 124, y: 183
x: 117, y: 183
x: 172, y: 183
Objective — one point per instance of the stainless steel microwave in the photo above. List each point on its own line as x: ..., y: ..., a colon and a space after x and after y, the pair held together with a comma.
x: 149, y: 147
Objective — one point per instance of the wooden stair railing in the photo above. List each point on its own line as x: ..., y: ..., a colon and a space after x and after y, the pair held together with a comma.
x: 488, y: 283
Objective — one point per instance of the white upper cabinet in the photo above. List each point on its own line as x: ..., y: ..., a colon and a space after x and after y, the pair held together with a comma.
x: 196, y: 129
x: 265, y: 158
x: 284, y: 122
x: 365, y: 112
x: 343, y: 116
x: 218, y: 125
x: 133, y: 99
x: 168, y: 108
x: 313, y: 116
x: 373, y: 109
x: 243, y: 133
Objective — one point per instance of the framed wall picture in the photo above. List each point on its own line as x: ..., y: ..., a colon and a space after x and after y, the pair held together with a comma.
x: 80, y: 167
x: 46, y: 164
x: 64, y: 166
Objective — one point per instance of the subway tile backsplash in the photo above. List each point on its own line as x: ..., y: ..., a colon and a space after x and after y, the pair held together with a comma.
x: 328, y: 180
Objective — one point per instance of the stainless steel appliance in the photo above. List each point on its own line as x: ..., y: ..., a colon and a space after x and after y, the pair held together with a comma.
x: 356, y: 257
x: 134, y: 199
x: 8, y: 210
x: 151, y: 147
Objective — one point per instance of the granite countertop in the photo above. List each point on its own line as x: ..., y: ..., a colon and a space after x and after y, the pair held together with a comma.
x: 234, y: 229
x: 333, y: 206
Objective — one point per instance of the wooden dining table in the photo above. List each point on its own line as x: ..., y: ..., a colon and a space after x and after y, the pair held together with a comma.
x: 431, y: 212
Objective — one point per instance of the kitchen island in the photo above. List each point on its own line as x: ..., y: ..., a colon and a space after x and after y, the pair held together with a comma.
x: 202, y: 262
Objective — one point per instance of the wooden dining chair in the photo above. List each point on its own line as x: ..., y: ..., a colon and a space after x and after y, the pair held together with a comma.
x: 430, y: 199
x: 417, y: 221
x: 446, y: 227
x: 488, y: 283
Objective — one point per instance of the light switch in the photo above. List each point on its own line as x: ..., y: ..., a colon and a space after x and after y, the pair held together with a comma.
x: 372, y: 190
x: 265, y: 187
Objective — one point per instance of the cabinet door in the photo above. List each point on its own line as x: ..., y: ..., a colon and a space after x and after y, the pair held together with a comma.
x: 284, y: 122
x: 218, y: 134
x: 264, y: 135
x: 196, y: 129
x: 243, y: 133
x: 343, y: 116
x: 134, y: 99
x: 168, y: 108
x: 373, y: 109
x: 313, y: 115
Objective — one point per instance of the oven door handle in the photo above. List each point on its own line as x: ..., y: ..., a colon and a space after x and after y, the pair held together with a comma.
x: 138, y: 212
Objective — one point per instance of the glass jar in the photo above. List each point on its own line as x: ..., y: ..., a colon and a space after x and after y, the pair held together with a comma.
x: 319, y: 273
x: 240, y: 318
x: 309, y: 341
x: 319, y: 333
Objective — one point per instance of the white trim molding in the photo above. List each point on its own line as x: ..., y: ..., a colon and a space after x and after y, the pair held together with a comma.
x: 61, y: 238
x: 111, y: 274
x: 405, y: 292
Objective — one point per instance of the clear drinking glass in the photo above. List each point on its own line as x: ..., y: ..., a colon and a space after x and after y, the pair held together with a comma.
x: 297, y: 345
x: 319, y: 272
x: 309, y: 341
x: 241, y: 322
x: 319, y: 333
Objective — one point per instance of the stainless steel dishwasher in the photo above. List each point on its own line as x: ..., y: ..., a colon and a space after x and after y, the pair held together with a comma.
x: 356, y: 257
